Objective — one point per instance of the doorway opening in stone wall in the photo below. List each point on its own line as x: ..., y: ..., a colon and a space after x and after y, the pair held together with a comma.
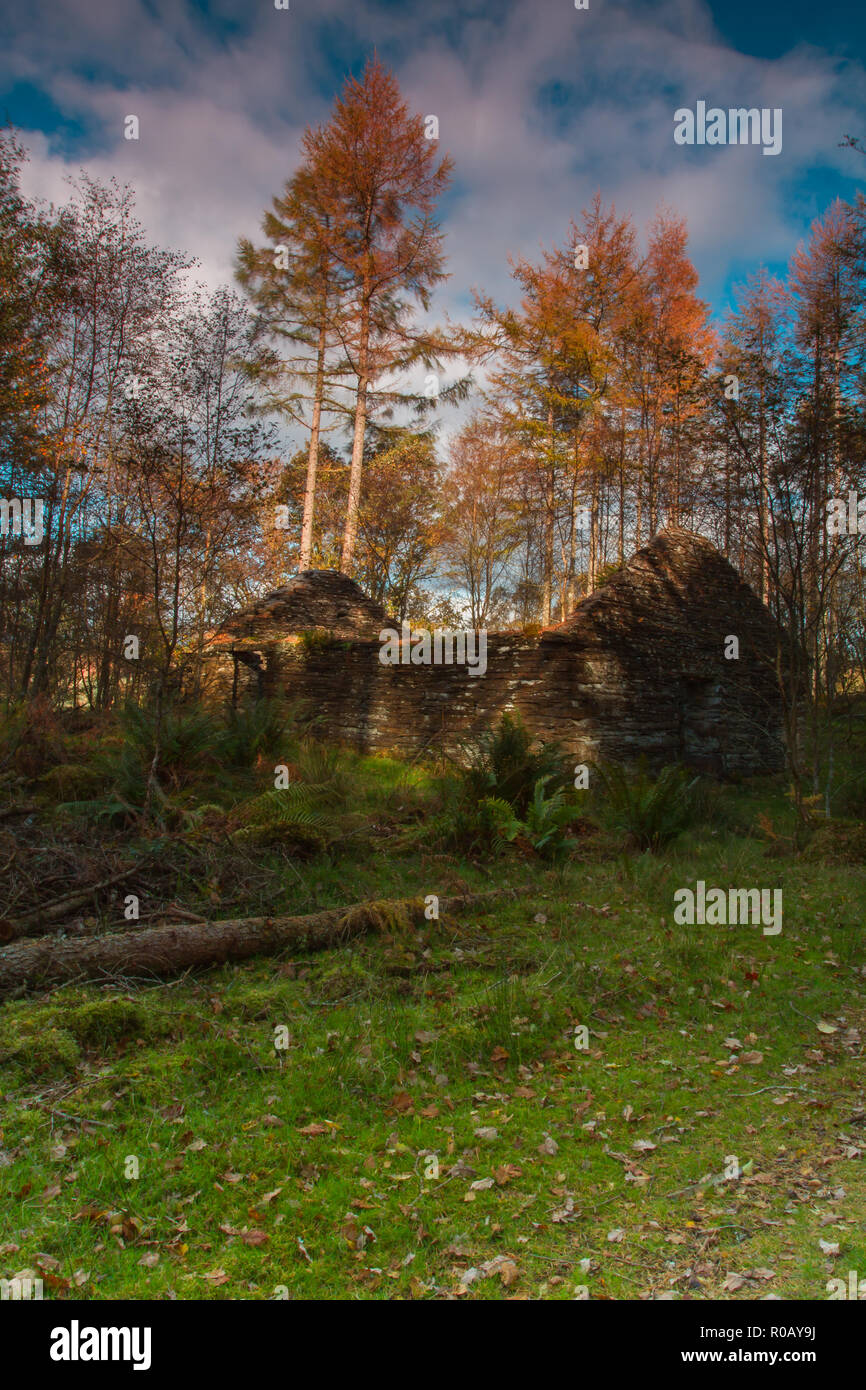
x: 701, y: 742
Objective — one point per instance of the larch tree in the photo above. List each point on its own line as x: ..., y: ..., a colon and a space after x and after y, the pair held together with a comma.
x: 593, y: 276
x: 481, y: 521
x: 377, y: 179
x: 667, y: 349
x: 555, y: 375
x: 294, y: 287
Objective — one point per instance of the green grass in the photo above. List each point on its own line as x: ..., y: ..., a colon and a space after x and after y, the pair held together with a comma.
x: 403, y: 1048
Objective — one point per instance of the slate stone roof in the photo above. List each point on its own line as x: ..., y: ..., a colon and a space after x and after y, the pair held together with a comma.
x: 312, y: 599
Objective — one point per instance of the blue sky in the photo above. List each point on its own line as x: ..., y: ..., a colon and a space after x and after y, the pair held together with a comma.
x: 539, y: 104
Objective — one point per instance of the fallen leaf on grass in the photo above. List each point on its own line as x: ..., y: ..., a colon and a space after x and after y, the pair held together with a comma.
x: 506, y: 1172
x: 255, y: 1237
x: 356, y: 1236
x: 503, y: 1265
x: 56, y: 1282
x: 506, y: 1269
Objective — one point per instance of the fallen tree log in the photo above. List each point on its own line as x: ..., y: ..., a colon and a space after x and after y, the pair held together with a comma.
x: 159, y: 952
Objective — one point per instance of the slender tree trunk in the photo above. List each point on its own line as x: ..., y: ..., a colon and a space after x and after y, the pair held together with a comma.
x: 727, y: 500
x: 762, y: 463
x: 592, y: 562
x: 547, y: 592
x: 622, y: 488
x: 305, y: 557
x: 350, y: 534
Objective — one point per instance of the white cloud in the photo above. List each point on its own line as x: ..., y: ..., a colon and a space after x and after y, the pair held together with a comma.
x: 221, y: 118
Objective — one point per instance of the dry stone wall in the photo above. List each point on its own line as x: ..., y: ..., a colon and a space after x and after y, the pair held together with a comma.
x: 638, y: 669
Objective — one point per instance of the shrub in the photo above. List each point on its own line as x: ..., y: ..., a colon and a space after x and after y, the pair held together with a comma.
x: 193, y: 743
x: 649, y: 811
x: 254, y: 729
x: 314, y: 640
x: 837, y: 842
x: 286, y: 817
x: 305, y: 815
x: 548, y: 818
x: 187, y: 739
x: 73, y: 781
x: 504, y: 764
x: 188, y: 745
x: 509, y: 792
x: 31, y: 740
x: 543, y: 830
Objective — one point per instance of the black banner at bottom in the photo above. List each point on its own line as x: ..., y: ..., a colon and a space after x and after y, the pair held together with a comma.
x: 218, y: 1338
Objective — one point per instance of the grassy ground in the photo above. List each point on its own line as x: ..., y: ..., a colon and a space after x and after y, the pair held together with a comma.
x: 431, y: 1128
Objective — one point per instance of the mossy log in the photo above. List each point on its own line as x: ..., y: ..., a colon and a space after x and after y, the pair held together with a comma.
x: 160, y: 952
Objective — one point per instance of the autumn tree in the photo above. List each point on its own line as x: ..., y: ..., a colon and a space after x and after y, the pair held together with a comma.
x: 192, y: 448
x: 400, y: 521
x: 667, y: 348
x: 481, y: 525
x: 31, y: 276
x: 115, y: 295
x: 294, y: 287
x: 376, y: 181
x: 553, y: 375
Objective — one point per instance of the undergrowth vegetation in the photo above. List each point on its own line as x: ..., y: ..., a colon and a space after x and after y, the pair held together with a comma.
x: 418, y: 1113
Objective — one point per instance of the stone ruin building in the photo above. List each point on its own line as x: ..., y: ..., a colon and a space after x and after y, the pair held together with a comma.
x: 639, y: 668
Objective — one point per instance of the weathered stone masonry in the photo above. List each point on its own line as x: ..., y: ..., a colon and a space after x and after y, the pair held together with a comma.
x: 639, y: 668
